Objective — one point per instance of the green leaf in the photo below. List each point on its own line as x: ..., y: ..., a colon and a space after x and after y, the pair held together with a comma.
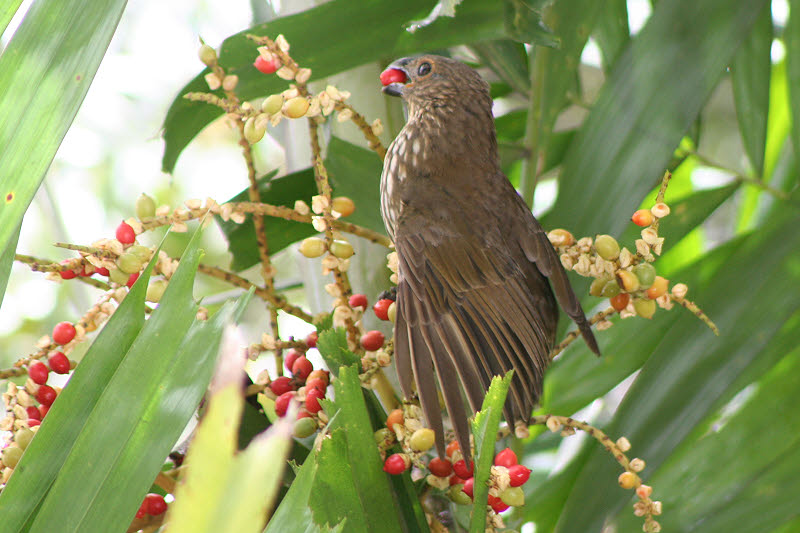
x: 7, y: 13
x: 332, y: 345
x: 523, y: 20
x: 350, y: 482
x: 224, y: 490
x: 45, y: 72
x: 484, y: 429
x: 475, y: 21
x: 67, y: 418
x: 689, y: 370
x: 507, y: 59
x: 651, y: 98
x: 294, y: 511
x: 6, y: 260
x: 612, y: 32
x: 750, y: 73
x: 152, y: 381
x: 791, y: 37
x: 728, y: 476
x: 280, y: 232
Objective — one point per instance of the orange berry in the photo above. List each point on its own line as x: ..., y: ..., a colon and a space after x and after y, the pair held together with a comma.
x: 658, y: 288
x: 620, y: 301
x: 642, y: 217
x: 395, y: 417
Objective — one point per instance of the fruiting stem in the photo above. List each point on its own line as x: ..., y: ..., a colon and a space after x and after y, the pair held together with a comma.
x: 572, y: 335
x: 359, y: 120
x: 691, y: 306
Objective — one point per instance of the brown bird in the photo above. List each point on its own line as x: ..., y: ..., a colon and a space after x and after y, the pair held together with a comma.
x: 473, y: 297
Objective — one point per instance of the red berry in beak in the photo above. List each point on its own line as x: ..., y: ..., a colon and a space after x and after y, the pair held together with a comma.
x: 392, y: 75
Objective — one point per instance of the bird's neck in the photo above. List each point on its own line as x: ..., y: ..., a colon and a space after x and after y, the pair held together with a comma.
x: 454, y: 136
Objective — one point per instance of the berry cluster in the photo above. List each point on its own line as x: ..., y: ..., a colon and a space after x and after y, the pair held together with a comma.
x: 451, y: 473
x: 306, y: 386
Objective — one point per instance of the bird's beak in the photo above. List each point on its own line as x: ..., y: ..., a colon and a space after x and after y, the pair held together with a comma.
x: 396, y: 88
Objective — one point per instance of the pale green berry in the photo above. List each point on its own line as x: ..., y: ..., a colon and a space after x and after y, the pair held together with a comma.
x: 457, y: 495
x: 610, y: 289
x: 304, y: 427
x: 513, y: 496
x: 272, y: 104
x: 129, y: 263
x: 156, y: 290
x: 645, y: 308
x: 118, y: 276
x: 11, y: 456
x: 646, y: 274
x: 296, y: 107
x: 142, y: 252
x: 23, y: 437
x: 596, y: 288
x: 312, y: 247
x: 422, y: 440
x: 606, y: 247
x: 145, y: 206
x: 253, y: 131
x: 342, y: 249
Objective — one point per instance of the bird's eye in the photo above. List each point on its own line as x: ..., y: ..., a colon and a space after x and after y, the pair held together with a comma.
x: 424, y: 69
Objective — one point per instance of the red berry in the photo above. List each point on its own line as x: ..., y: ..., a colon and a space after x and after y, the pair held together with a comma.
x: 59, y: 362
x: 302, y: 413
x: 38, y: 372
x: 281, y: 385
x: 451, y: 448
x: 266, y: 66
x: 43, y: 410
x: 455, y: 480
x: 311, y: 339
x: 440, y: 467
x: 33, y: 422
x: 282, y: 403
x: 316, y: 383
x: 392, y: 75
x: 33, y: 413
x: 320, y: 374
x: 497, y: 504
x: 132, y: 279
x: 46, y: 395
x: 125, y: 233
x: 103, y: 271
x: 290, y: 358
x: 301, y: 368
x: 620, y: 301
x: 461, y: 469
x: 519, y: 474
x: 140, y: 512
x: 358, y: 300
x: 381, y: 308
x: 312, y: 400
x: 63, y: 333
x: 67, y: 274
x: 396, y: 417
x: 506, y: 458
x: 396, y: 464
x: 372, y: 340
x: 642, y: 217
x: 469, y: 487
x: 154, y: 504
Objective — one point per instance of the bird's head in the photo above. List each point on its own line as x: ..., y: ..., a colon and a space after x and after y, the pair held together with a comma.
x: 430, y: 81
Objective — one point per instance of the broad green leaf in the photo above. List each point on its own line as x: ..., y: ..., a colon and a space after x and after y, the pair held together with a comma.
x: 6, y: 260
x: 690, y: 370
x: 67, y: 418
x: 508, y: 60
x: 152, y: 392
x: 7, y: 13
x: 728, y: 476
x: 523, y: 20
x: 350, y: 482
x: 224, y: 490
x: 294, y: 511
x: 651, y: 98
x: 332, y: 345
x: 791, y: 39
x: 45, y: 72
x: 386, y: 39
x: 750, y: 73
x: 612, y: 32
x: 280, y: 233
x: 555, y: 73
x: 484, y: 430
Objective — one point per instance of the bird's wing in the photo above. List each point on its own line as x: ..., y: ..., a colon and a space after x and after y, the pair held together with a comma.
x: 537, y: 247
x: 469, y: 308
